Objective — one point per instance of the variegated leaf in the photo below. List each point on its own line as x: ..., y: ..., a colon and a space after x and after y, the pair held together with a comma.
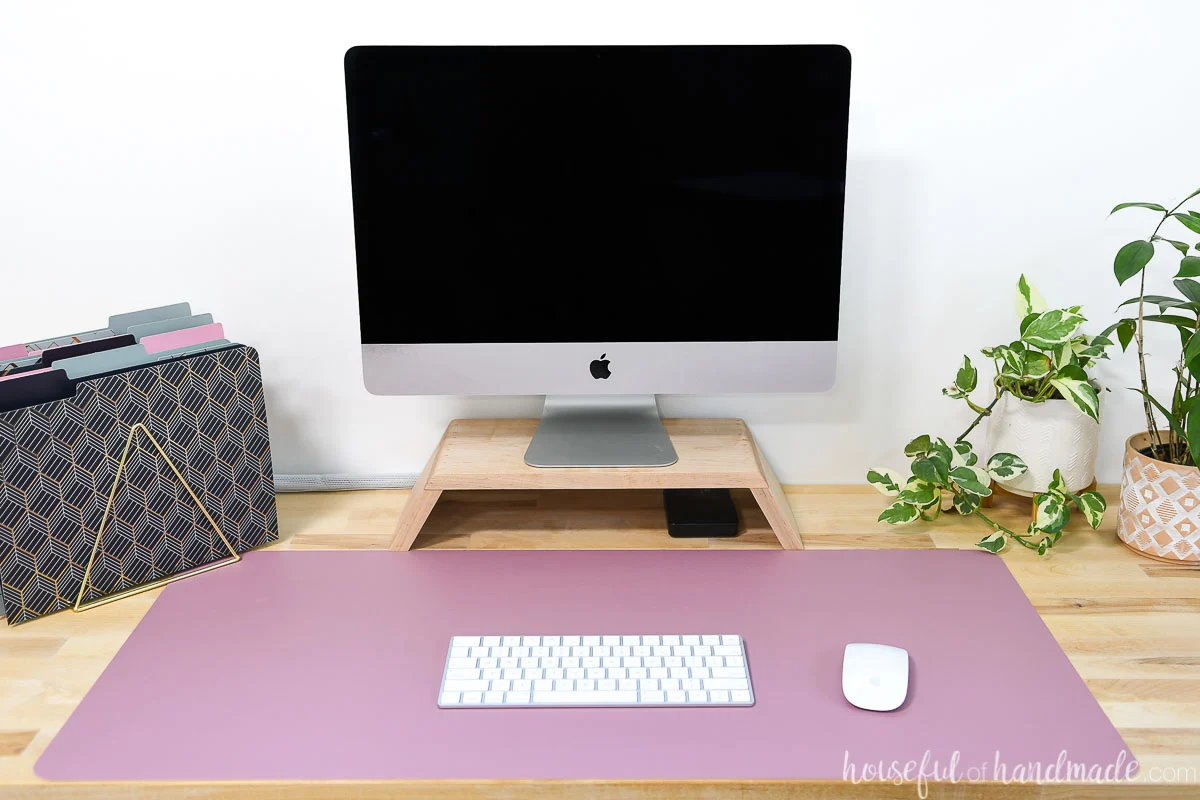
x: 965, y: 504
x: 1005, y: 466
x: 1052, y: 327
x: 887, y: 481
x: 973, y: 480
x: 993, y: 542
x: 919, y: 493
x: 899, y: 513
x: 1029, y: 299
x: 1093, y: 505
x: 1079, y: 392
x: 1051, y: 514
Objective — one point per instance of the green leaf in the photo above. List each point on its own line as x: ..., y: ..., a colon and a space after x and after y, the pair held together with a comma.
x: 1052, y: 327
x: 918, y: 446
x: 993, y: 542
x: 1004, y: 466
x: 1028, y: 320
x: 1180, y: 246
x: 899, y: 514
x: 963, y: 455
x: 1162, y: 301
x: 1189, y: 222
x: 1036, y: 365
x: 1188, y: 288
x: 1072, y: 384
x: 931, y: 471
x: 1125, y: 329
x: 1191, y: 422
x: 920, y: 493
x: 1058, y: 487
x: 965, y: 504
x: 1043, y: 545
x: 887, y: 481
x: 1151, y: 206
x: 1051, y: 514
x: 1029, y: 299
x: 973, y: 480
x: 1189, y: 266
x: 941, y: 452
x: 1132, y: 259
x: 968, y: 376
x: 1092, y: 505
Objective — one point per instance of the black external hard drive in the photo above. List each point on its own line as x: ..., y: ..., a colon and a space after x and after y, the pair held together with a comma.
x: 696, y: 513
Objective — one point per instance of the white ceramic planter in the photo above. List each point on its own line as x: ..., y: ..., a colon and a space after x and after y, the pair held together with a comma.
x: 1046, y: 436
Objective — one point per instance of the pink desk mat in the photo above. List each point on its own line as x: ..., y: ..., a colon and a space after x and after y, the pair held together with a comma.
x: 326, y: 665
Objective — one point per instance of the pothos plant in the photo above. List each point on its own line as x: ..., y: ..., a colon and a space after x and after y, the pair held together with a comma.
x: 1051, y: 359
x: 944, y: 476
x: 1180, y: 444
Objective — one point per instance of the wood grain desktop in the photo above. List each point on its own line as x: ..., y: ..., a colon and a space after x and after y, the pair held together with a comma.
x: 1129, y: 625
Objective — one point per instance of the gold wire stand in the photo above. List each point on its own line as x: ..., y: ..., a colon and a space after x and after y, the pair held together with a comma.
x: 233, y: 554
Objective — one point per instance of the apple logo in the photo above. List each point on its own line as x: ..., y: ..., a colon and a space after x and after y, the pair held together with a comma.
x: 600, y: 369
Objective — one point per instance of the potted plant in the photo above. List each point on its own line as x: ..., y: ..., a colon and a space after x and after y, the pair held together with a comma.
x: 1046, y: 406
x: 1159, y: 514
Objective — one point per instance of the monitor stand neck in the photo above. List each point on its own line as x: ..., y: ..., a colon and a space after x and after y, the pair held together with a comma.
x: 600, y: 431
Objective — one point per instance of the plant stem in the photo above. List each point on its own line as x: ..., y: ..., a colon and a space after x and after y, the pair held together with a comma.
x: 996, y: 526
x: 1151, y: 425
x: 982, y: 412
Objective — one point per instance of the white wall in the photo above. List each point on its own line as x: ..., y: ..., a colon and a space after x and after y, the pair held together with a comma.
x: 150, y: 153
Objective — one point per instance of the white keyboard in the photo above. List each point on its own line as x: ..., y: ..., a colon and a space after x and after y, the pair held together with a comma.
x: 614, y: 670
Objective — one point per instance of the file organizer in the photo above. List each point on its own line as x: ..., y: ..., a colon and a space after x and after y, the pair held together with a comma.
x: 141, y: 478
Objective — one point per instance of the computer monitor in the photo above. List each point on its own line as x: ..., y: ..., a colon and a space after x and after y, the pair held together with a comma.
x: 598, y: 225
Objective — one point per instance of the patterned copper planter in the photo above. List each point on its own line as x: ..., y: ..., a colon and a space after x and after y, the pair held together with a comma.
x: 1159, y: 515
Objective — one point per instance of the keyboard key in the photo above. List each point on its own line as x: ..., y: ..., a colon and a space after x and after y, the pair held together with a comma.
x: 460, y: 652
x: 654, y: 697
x: 718, y: 697
x: 583, y: 698
x: 697, y: 697
x: 516, y: 699
x: 465, y: 686
x: 735, y: 661
x: 740, y: 697
x: 725, y: 684
x: 728, y: 672
x: 606, y: 685
x: 710, y: 639
x: 449, y: 698
x: 676, y: 697
x: 510, y: 641
x: 472, y: 698
x: 462, y: 663
x: 463, y: 674
x: 686, y: 640
x: 465, y: 641
x: 692, y: 685
x: 490, y: 641
x: 727, y: 650
x: 493, y: 698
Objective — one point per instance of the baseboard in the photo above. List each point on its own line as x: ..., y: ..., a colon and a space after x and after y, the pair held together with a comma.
x: 341, y: 483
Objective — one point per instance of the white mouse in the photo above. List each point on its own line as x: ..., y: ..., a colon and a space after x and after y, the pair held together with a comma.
x: 875, y: 676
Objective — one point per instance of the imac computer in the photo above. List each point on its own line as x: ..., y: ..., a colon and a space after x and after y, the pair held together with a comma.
x: 598, y: 225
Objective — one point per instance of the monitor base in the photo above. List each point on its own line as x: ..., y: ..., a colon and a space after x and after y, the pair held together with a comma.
x: 600, y: 431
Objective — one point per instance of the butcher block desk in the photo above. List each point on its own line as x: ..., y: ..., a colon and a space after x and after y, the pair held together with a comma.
x: 1130, y: 626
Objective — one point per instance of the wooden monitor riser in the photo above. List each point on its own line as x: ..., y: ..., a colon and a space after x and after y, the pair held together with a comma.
x: 478, y: 454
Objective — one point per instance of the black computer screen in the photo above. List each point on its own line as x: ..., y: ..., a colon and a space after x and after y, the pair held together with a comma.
x: 598, y: 194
